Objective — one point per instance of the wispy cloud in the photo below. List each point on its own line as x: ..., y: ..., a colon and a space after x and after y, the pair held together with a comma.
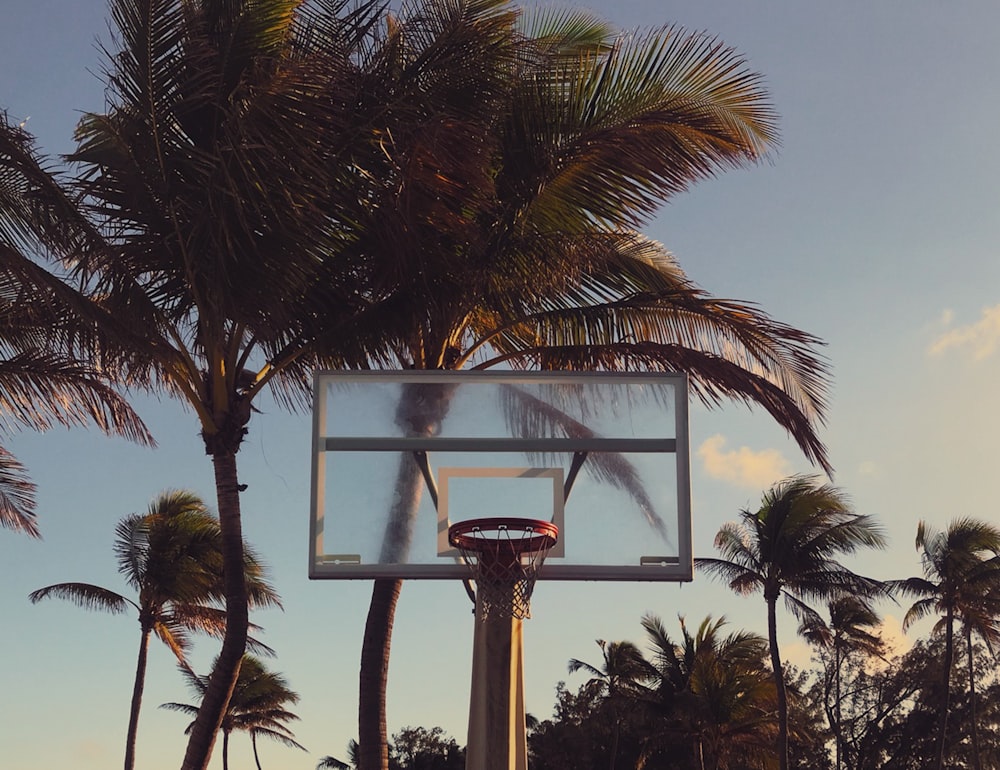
x: 743, y: 466
x: 980, y: 339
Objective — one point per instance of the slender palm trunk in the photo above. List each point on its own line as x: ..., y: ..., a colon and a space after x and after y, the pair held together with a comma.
x: 973, y: 711
x: 615, y: 736
x: 779, y: 681
x: 225, y: 750
x: 137, y: 688
x: 949, y: 656
x: 253, y: 742
x: 373, y: 739
x: 227, y: 668
x: 420, y: 411
x: 839, y: 740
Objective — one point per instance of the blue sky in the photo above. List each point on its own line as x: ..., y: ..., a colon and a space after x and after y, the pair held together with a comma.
x: 873, y: 226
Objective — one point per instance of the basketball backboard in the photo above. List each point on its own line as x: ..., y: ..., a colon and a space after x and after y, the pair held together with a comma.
x: 399, y: 456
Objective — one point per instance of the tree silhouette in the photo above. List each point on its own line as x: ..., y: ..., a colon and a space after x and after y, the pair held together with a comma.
x: 172, y: 557
x: 789, y: 547
x: 961, y: 578
x: 258, y: 706
x: 851, y: 629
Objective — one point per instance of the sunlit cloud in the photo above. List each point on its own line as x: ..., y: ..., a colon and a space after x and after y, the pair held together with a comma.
x: 896, y: 640
x: 92, y: 749
x: 744, y: 466
x: 980, y: 339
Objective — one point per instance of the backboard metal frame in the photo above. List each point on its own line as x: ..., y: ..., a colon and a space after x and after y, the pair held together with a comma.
x: 323, y: 564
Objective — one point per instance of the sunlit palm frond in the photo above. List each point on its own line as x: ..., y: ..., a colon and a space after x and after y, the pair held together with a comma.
x: 625, y: 128
x: 38, y: 388
x: 17, y: 496
x: 565, y: 32
x: 174, y: 635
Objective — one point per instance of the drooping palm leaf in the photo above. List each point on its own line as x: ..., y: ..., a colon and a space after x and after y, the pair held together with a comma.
x: 85, y: 595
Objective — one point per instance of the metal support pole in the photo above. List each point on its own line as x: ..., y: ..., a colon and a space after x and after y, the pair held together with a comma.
x: 497, y: 739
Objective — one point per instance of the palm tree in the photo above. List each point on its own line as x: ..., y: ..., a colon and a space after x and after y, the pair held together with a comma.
x: 507, y: 228
x: 258, y: 706
x: 789, y: 547
x: 171, y: 555
x: 330, y: 762
x: 619, y: 678
x: 272, y: 188
x: 851, y: 629
x: 960, y: 583
x: 717, y: 687
x: 44, y: 378
x: 216, y: 192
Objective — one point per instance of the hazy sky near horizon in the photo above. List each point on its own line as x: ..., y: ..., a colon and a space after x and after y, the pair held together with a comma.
x: 873, y: 226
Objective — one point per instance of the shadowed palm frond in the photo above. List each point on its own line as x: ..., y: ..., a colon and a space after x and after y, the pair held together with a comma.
x: 85, y: 595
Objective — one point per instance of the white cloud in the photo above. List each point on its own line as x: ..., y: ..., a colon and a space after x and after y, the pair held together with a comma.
x: 743, y: 467
x: 981, y: 338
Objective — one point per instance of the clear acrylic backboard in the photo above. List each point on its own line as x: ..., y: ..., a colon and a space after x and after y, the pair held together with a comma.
x: 399, y: 456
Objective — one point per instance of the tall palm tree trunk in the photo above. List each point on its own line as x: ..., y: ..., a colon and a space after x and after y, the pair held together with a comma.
x: 373, y: 738
x: 779, y: 680
x: 949, y: 656
x: 420, y: 410
x: 973, y: 711
x: 137, y: 688
x: 615, y: 736
x: 227, y: 667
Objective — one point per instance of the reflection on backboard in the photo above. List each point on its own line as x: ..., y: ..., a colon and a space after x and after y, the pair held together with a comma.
x: 400, y: 456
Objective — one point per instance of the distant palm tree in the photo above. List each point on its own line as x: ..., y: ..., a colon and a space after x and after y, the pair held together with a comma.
x: 961, y: 582
x: 620, y: 676
x: 257, y: 706
x: 332, y: 763
x: 717, y: 687
x: 171, y: 555
x: 851, y: 629
x: 789, y: 547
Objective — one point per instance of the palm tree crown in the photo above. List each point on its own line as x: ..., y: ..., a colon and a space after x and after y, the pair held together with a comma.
x: 719, y: 686
x: 790, y: 547
x: 258, y: 706
x: 171, y: 556
x: 961, y: 582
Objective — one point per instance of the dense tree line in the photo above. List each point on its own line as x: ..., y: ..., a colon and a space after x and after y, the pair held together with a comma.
x: 887, y: 717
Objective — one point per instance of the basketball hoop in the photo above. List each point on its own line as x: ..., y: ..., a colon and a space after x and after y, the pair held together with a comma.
x: 504, y: 556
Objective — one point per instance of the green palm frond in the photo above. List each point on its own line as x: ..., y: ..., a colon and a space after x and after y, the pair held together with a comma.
x: 565, y: 32
x: 621, y: 130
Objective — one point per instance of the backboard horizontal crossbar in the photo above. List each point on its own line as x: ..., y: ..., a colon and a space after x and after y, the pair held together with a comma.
x: 444, y: 444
